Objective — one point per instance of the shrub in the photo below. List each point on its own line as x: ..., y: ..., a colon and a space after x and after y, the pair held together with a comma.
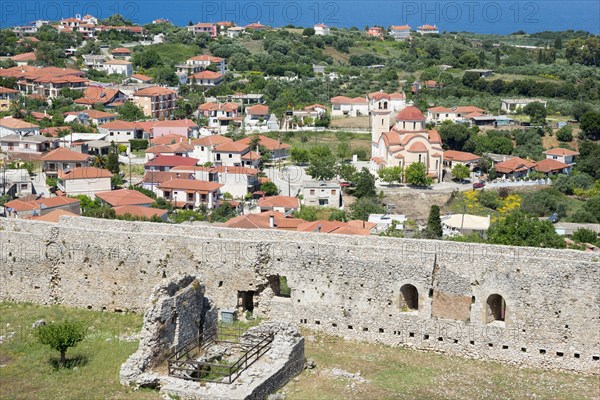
x: 138, y: 144
x: 489, y: 199
x: 60, y: 336
x: 565, y: 134
x: 583, y: 235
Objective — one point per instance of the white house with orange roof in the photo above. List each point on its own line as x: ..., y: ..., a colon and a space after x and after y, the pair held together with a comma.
x: 62, y: 159
x: 124, y: 197
x: 175, y: 149
x: 440, y: 114
x: 156, y: 101
x: 375, y: 31
x: 190, y: 193
x: 204, y: 146
x: 405, y: 142
x: 204, y: 61
x: 400, y: 32
x: 258, y: 118
x: 24, y: 59
x: 321, y: 30
x: 183, y: 127
x: 220, y: 115
x: 351, y: 107
x: 282, y: 204
x: 563, y: 155
x: 15, y: 126
x: 84, y: 180
x: 203, y: 27
x: 206, y: 78
x: 90, y: 116
x: 120, y: 67
x: 121, y: 52
x: 121, y: 132
x: 237, y: 181
x: 235, y: 31
x: 256, y: 26
x: 454, y: 157
x: 428, y: 29
x: 7, y: 96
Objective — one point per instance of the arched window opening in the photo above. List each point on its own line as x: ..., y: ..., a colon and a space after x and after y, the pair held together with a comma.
x: 496, y: 308
x: 409, y: 298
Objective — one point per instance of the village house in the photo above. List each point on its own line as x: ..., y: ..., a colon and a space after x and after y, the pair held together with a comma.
x: 400, y: 32
x: 237, y: 181
x: 203, y: 27
x: 15, y: 183
x: 454, y: 157
x: 84, y: 180
x: 15, y: 126
x: 175, y: 149
x: 34, y: 205
x: 139, y: 78
x: 514, y: 168
x: 45, y: 81
x: 516, y: 105
x: 375, y: 31
x: 124, y: 197
x: 235, y: 31
x: 204, y: 147
x: 185, y: 128
x: 206, y: 78
x: 220, y: 115
x: 322, y: 194
x: 439, y: 114
x: 156, y: 102
x: 550, y: 166
x: 256, y: 26
x: 277, y: 150
x: 201, y: 62
x: 231, y: 154
x: 465, y: 224
x: 165, y: 163
x: 62, y: 159
x: 7, y: 96
x: 152, y: 179
x: 121, y: 132
x: 428, y: 29
x: 94, y: 61
x: 120, y: 67
x: 346, y: 106
x: 137, y: 31
x: 190, y: 193
x: 106, y: 96
x: 87, y: 28
x: 121, y: 52
x: 406, y: 142
x: 30, y: 144
x: 265, y: 220
x: 90, y: 116
x: 335, y: 227
x: 565, y: 156
x: 24, y: 59
x: 282, y: 204
x: 142, y: 212
x: 258, y: 116
x: 321, y: 30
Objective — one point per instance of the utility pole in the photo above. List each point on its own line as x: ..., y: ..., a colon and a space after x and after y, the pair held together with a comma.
x: 130, y: 184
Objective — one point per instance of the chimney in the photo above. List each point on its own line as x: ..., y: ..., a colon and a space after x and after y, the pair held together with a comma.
x: 271, y: 220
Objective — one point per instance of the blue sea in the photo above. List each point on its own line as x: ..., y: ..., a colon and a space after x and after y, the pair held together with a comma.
x: 500, y: 17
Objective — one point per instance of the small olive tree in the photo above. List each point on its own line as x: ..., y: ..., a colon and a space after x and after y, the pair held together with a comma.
x: 61, y: 335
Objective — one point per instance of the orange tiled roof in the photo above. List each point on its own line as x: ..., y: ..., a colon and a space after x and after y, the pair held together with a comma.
x: 461, y: 156
x: 15, y: 123
x: 141, y: 77
x: 561, y: 152
x: 410, y: 113
x: 155, y: 91
x: 550, y: 165
x: 124, y: 197
x: 119, y: 125
x: 84, y: 173
x: 234, y: 147
x: 191, y: 185
x: 267, y: 142
x: 24, y: 57
x: 262, y: 221
x: 516, y: 164
x: 54, y: 216
x: 64, y: 154
x: 140, y: 211
x: 4, y: 90
x: 121, y: 50
x: 279, y: 201
x: 258, y: 109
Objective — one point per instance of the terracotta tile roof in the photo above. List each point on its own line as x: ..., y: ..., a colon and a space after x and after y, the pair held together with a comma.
x: 550, y: 165
x: 440, y: 109
x: 171, y: 161
x: 84, y: 173
x: 141, y: 77
x: 267, y: 142
x: 251, y: 156
x: 33, y: 203
x: 378, y: 160
x: 191, y: 185
x: 119, y: 125
x: 357, y: 223
x: 461, y: 156
x: 206, y: 75
x: 468, y: 109
x: 561, y: 152
x: 117, y: 62
x: 124, y: 197
x: 212, y: 140
x: 169, y: 148
x: 279, y: 201
x: 516, y: 164
x: 225, y: 23
x: 64, y: 154
x: 4, y: 90
x: 324, y: 226
x: 417, y: 147
x: 140, y: 211
x: 175, y: 123
x: 24, y: 57
x: 400, y: 27
x: 121, y: 50
x: 167, y: 139
x: 155, y: 91
x: 255, y: 25
x: 428, y: 27
x: 378, y: 95
x: 203, y: 25
x: 232, y: 147
x: 262, y: 221
x: 205, y: 57
x: 157, y: 177
x: 54, y: 216
x: 258, y: 109
x: 15, y: 123
x: 218, y: 107
x: 410, y: 113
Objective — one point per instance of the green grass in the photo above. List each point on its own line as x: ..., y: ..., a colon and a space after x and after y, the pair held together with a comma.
x: 175, y: 52
x: 328, y: 138
x: 397, y: 373
x: 29, y: 369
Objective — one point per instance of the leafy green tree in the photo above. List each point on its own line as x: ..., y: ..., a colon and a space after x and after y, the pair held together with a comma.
x: 308, y: 32
x: 544, y: 202
x: 520, y: 229
x: 338, y: 215
x: 146, y: 58
x: 347, y: 172
x: 322, y: 163
x: 60, y: 336
x: 365, y: 184
x: 454, y: 136
x: 568, y: 183
x: 390, y: 174
x: 129, y: 111
x: 434, y: 223
x: 461, y: 172
x: 416, y: 174
x: 590, y: 125
x: 299, y: 155
x: 579, y: 109
x: 306, y: 213
x: 537, y: 113
x: 112, y: 159
x: 364, y: 206
x: 343, y: 150
x: 269, y: 188
x: 583, y: 235
x: 223, y: 213
x: 565, y: 134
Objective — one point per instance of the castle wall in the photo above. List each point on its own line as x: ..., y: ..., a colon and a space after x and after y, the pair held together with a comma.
x: 349, y: 286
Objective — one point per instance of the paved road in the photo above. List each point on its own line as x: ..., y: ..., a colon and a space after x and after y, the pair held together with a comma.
x: 288, y: 179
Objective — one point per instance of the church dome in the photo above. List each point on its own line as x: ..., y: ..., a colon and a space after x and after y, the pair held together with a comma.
x: 410, y: 113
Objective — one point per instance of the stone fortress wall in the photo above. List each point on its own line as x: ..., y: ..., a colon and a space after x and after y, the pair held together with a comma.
x: 527, y: 306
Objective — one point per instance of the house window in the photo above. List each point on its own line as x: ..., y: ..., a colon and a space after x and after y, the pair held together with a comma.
x: 201, y: 148
x: 230, y: 155
x: 111, y: 134
x: 419, y: 158
x: 312, y: 192
x: 323, y: 202
x: 51, y: 166
x: 167, y: 194
x: 24, y: 186
x: 190, y: 197
x: 333, y: 192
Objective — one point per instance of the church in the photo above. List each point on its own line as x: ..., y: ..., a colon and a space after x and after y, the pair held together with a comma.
x: 405, y: 142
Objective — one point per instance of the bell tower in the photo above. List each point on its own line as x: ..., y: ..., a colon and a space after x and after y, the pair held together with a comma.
x: 380, y: 124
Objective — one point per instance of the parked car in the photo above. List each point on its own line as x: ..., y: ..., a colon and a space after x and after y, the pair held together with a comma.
x: 478, y: 185
x: 554, y: 218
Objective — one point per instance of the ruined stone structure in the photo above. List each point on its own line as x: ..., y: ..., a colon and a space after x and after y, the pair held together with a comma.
x: 527, y: 306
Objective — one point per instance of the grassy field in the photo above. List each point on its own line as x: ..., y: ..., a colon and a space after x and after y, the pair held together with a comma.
x: 28, y: 370
x: 328, y: 138
x: 395, y: 373
x: 175, y: 52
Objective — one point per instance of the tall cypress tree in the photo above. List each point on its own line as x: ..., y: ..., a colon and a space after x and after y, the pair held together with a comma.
x: 434, y: 223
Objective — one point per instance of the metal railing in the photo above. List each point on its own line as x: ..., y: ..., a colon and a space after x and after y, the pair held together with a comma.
x: 181, y: 365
